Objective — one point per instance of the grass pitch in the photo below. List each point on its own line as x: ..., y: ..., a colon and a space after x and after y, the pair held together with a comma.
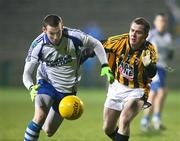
x: 16, y: 110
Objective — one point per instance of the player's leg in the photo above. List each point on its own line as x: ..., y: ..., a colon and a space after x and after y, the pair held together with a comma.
x: 112, y: 109
x: 110, y: 118
x: 43, y: 103
x: 159, y: 101
x: 158, y: 107
x: 152, y: 96
x: 145, y: 121
x: 54, y: 119
x: 52, y: 123
x: 130, y: 110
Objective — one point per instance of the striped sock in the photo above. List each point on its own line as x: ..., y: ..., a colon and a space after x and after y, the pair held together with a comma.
x: 32, y: 132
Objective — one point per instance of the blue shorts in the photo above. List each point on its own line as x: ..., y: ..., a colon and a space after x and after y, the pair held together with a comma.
x: 48, y: 89
x: 161, y: 72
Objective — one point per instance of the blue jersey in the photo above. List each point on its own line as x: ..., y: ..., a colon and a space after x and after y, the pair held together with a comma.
x: 60, y: 64
x: 163, y: 43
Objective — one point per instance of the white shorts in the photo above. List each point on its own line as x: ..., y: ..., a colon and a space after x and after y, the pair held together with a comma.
x: 119, y: 94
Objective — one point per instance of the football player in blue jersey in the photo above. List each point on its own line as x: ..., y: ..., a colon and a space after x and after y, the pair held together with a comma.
x: 162, y: 40
x: 57, y: 53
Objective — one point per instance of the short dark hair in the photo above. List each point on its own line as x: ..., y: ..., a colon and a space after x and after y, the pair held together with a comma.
x: 144, y: 22
x: 161, y: 14
x: 52, y: 20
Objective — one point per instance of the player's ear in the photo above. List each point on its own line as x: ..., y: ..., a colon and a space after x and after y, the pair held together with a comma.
x: 44, y: 29
x: 154, y: 22
x: 146, y: 35
x: 61, y: 26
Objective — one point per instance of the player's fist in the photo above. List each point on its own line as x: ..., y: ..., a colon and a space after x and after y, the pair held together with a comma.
x: 33, y: 91
x: 107, y: 71
x: 146, y: 58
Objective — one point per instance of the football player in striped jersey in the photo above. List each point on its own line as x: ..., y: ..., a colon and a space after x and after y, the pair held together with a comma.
x: 132, y: 60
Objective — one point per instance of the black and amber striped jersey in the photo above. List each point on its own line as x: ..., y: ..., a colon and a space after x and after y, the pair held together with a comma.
x: 126, y: 63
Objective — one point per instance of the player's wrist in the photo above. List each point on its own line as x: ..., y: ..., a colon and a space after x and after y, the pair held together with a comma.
x: 34, y: 87
x: 30, y: 88
x: 147, y: 63
x: 150, y: 65
x: 104, y: 65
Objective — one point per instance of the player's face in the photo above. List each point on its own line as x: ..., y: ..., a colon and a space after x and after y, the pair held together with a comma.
x: 137, y: 36
x: 160, y: 23
x: 54, y: 33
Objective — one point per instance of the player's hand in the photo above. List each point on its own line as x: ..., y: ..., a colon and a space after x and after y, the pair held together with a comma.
x: 33, y: 91
x: 146, y: 58
x: 107, y: 71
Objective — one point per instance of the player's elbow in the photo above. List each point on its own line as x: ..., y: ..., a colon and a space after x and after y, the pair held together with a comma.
x: 151, y: 70
x: 152, y: 73
x: 25, y: 81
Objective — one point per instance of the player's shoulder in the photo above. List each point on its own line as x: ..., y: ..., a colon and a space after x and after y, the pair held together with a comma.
x: 153, y: 51
x: 152, y: 34
x: 73, y: 32
x: 119, y: 37
x: 151, y: 47
x: 39, y: 40
x: 153, y: 31
x: 168, y: 36
x: 75, y: 35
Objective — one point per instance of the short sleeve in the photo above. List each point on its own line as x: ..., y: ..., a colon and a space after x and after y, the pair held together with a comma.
x: 154, y: 54
x: 114, y: 42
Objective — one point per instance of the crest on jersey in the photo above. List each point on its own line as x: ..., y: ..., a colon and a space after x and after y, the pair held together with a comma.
x: 126, y: 70
x: 59, y: 61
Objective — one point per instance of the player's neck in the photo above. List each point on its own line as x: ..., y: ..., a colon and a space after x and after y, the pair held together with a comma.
x: 137, y: 47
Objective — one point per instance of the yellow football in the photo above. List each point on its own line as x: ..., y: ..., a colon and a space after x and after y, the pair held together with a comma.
x: 71, y: 107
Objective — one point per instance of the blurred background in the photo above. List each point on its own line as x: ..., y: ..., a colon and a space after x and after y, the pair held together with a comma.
x: 21, y: 20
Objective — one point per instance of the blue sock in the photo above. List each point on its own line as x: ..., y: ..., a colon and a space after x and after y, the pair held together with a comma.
x: 146, y: 117
x: 32, y: 132
x: 145, y: 120
x: 157, y: 115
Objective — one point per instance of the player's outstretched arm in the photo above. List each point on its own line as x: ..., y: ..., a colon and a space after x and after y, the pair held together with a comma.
x: 106, y: 70
x: 28, y: 80
x: 101, y: 55
x: 87, y: 53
